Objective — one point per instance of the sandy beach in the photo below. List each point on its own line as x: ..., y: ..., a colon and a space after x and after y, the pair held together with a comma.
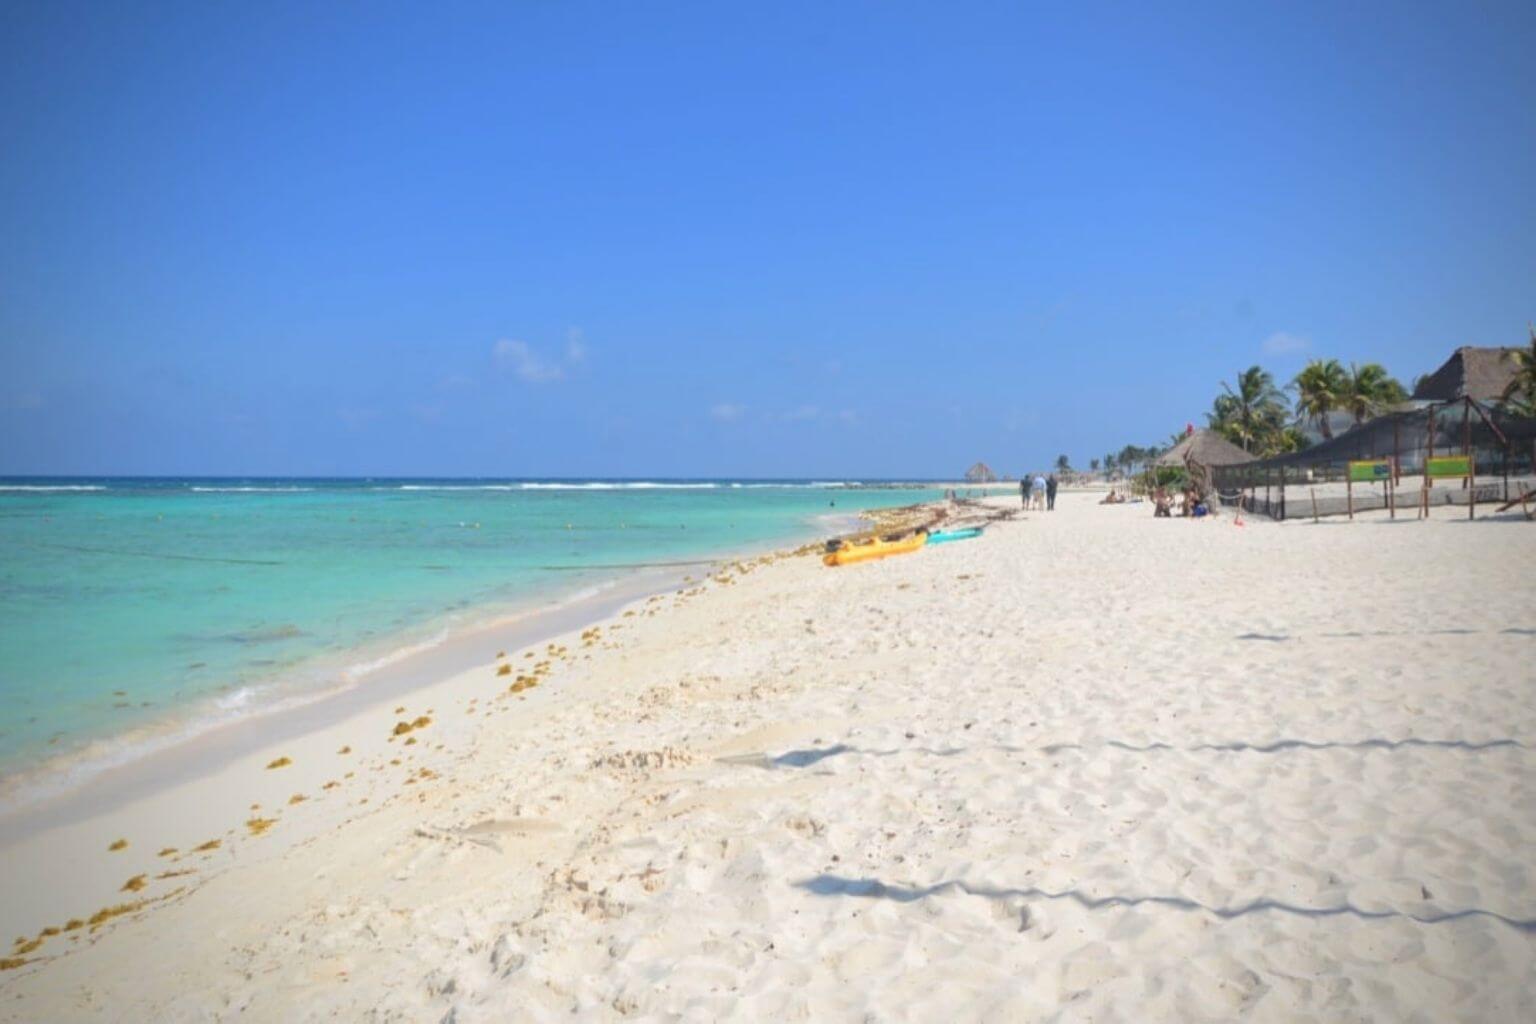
x: 1092, y: 765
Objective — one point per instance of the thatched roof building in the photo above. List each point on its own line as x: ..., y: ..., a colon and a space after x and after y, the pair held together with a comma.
x: 1478, y: 373
x: 1206, y: 447
x: 981, y: 473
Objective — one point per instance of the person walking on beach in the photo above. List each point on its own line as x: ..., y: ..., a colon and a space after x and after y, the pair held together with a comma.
x: 1024, y: 491
x: 1037, y: 489
x: 1050, y: 493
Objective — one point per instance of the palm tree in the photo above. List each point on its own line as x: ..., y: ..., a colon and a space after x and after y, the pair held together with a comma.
x: 1110, y: 464
x: 1523, y: 383
x: 1063, y: 464
x: 1369, y: 390
x: 1250, y: 412
x: 1321, y: 387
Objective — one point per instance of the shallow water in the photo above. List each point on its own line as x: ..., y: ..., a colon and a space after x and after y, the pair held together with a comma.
x: 126, y: 604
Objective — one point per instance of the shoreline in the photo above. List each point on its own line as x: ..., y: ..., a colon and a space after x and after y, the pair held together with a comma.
x: 140, y: 754
x: 174, y: 788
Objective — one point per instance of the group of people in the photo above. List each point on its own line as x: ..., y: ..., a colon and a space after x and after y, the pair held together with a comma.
x: 1038, y: 492
x: 1192, y: 505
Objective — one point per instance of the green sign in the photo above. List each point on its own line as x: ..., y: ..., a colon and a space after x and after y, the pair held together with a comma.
x: 1370, y: 471
x: 1448, y: 465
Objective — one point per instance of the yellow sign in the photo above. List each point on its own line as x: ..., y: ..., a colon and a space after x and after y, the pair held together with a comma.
x: 1370, y: 471
x: 1448, y: 465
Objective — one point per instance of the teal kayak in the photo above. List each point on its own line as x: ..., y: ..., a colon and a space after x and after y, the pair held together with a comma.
x: 941, y: 536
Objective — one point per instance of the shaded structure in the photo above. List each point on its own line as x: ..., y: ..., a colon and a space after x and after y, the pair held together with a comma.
x: 1481, y: 374
x: 981, y: 473
x: 1205, y: 447
x: 1313, y: 482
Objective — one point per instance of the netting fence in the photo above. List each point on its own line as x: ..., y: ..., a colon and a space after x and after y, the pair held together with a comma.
x: 1500, y: 447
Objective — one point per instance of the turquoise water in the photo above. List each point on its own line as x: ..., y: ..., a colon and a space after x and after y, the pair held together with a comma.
x: 125, y: 602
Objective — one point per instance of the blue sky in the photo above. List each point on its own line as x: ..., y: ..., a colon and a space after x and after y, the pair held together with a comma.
x: 847, y: 240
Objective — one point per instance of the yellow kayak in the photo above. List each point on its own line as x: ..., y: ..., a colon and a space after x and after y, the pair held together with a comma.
x: 868, y: 550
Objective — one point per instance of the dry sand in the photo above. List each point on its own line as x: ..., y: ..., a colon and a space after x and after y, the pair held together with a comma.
x: 1091, y: 766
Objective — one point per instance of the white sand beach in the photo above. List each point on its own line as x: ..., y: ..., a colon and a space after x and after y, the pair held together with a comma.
x: 1090, y: 766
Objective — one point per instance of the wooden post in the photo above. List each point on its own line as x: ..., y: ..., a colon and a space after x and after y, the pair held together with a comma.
x: 1397, y: 426
x: 1313, y: 491
x: 1282, y: 493
x: 1349, y: 492
x: 1430, y: 442
x: 1466, y: 440
x: 1392, y: 488
x: 1472, y: 486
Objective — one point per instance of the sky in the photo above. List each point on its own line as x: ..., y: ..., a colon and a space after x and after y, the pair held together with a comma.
x: 700, y: 240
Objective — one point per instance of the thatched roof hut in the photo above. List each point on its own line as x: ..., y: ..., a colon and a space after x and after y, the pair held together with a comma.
x: 1205, y: 447
x: 1471, y: 372
x: 981, y: 473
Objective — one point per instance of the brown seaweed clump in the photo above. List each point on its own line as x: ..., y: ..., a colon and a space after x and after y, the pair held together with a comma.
x: 10, y: 963
x: 282, y: 762
x: 259, y: 825
x: 134, y: 884
x: 297, y: 798
x: 25, y: 946
x: 169, y: 851
x: 331, y: 785
x: 401, y: 728
x: 503, y: 670
x: 345, y: 750
x: 74, y: 924
x: 106, y: 914
x: 121, y: 844
x: 212, y: 844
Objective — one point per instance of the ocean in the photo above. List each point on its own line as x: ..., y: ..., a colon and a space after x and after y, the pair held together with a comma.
x: 136, y: 608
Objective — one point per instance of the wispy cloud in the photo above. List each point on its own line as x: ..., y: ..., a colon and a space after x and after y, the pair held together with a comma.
x: 521, y: 359
x: 804, y: 412
x: 727, y: 412
x: 536, y: 367
x: 1283, y: 343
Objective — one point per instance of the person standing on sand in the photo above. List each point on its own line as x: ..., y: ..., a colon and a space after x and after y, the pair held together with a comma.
x: 1024, y: 490
x: 1050, y: 493
x: 1037, y: 489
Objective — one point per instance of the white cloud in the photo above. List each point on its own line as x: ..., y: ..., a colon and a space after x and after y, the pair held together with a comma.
x: 521, y: 359
x: 1283, y: 343
x: 534, y: 366
x: 805, y: 412
x: 726, y: 412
